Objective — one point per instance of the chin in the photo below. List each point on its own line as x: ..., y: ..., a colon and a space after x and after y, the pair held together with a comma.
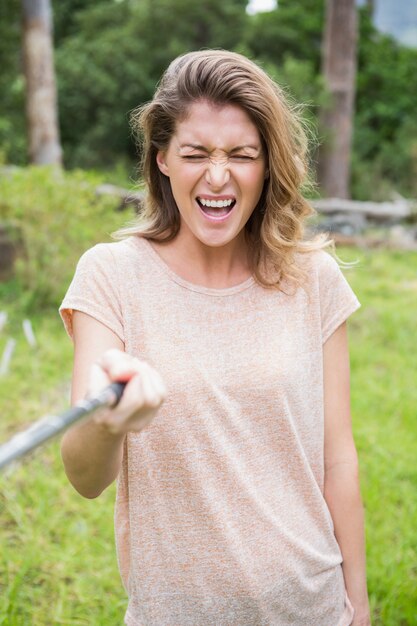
x: 216, y: 243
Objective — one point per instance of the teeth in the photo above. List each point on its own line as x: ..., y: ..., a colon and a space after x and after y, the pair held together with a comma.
x: 215, y: 204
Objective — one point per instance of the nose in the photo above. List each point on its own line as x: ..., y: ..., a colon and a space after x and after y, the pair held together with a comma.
x: 217, y: 173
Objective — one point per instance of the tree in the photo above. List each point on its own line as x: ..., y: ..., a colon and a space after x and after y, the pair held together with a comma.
x: 12, y: 107
x: 170, y: 29
x: 385, y: 141
x: 339, y: 70
x: 41, y: 99
x: 370, y: 5
x: 112, y: 57
x: 109, y: 55
x: 291, y: 29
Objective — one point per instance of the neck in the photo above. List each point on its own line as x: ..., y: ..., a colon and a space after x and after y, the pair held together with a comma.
x: 216, y: 267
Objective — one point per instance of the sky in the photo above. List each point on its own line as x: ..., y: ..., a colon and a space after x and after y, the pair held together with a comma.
x: 261, y: 5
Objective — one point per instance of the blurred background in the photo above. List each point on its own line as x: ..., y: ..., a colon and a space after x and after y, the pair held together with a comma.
x: 109, y: 55
x: 71, y: 71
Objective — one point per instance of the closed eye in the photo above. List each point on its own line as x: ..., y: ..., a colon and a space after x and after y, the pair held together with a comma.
x: 194, y: 157
x: 234, y: 158
x: 241, y: 157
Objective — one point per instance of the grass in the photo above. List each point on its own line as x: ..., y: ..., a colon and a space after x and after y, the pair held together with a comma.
x: 384, y: 401
x: 57, y: 561
x: 57, y: 556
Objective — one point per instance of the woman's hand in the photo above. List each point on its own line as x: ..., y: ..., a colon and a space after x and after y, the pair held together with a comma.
x: 364, y: 620
x: 143, y: 395
x: 92, y: 450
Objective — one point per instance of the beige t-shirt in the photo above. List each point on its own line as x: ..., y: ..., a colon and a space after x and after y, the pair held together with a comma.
x: 220, y: 516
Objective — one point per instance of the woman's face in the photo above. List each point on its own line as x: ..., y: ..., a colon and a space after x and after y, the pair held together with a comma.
x: 217, y: 169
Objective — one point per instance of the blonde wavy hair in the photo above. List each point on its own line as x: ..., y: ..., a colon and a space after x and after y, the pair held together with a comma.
x: 275, y: 230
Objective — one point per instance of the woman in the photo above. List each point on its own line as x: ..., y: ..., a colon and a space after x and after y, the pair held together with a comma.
x: 238, y: 499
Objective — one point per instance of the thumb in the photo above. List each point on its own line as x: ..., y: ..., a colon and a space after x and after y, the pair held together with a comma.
x: 98, y: 380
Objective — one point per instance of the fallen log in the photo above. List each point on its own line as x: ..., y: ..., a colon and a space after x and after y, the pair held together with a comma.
x: 396, y: 240
x: 399, y: 209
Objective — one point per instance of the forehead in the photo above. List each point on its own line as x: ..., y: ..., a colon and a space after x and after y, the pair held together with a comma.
x: 217, y: 125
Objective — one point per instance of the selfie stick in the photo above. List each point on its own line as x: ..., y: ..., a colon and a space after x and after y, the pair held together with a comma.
x: 51, y: 425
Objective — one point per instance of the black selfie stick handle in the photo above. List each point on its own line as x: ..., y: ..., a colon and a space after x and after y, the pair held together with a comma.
x: 52, y: 425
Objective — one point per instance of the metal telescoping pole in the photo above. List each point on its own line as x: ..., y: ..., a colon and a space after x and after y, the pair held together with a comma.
x: 52, y: 425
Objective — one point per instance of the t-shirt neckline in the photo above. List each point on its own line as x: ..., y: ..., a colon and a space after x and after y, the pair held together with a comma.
x: 226, y: 291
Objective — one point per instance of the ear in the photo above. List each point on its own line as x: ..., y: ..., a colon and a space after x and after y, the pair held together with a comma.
x: 161, y: 162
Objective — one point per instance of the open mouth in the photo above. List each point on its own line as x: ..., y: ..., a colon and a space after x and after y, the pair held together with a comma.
x: 216, y: 208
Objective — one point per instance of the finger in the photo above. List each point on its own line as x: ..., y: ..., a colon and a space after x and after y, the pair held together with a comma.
x: 158, y: 382
x: 118, y: 365
x: 99, y: 379
x: 132, y: 402
x: 142, y: 396
x: 152, y: 396
x: 121, y: 366
x: 133, y: 396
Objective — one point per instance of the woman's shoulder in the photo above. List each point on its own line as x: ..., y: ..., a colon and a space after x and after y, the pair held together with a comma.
x: 317, y: 263
x: 120, y: 252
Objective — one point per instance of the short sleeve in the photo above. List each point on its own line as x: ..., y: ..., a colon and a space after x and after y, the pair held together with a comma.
x: 94, y: 290
x: 337, y: 300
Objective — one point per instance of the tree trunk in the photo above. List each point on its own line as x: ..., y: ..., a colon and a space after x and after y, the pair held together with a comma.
x: 41, y: 97
x: 336, y: 119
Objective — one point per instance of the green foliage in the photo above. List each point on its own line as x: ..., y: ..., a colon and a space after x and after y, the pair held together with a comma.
x: 188, y: 25
x: 67, y: 15
x: 110, y: 55
x: 58, y: 216
x: 385, y: 143
x: 100, y: 82
x: 292, y: 29
x: 12, y: 111
x: 105, y: 68
x: 384, y: 155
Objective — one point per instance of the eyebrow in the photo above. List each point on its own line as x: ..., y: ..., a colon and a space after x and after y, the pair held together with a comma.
x: 204, y: 149
x: 193, y: 145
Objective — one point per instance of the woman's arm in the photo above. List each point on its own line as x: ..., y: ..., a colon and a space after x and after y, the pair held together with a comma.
x: 92, y: 451
x: 341, y: 482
